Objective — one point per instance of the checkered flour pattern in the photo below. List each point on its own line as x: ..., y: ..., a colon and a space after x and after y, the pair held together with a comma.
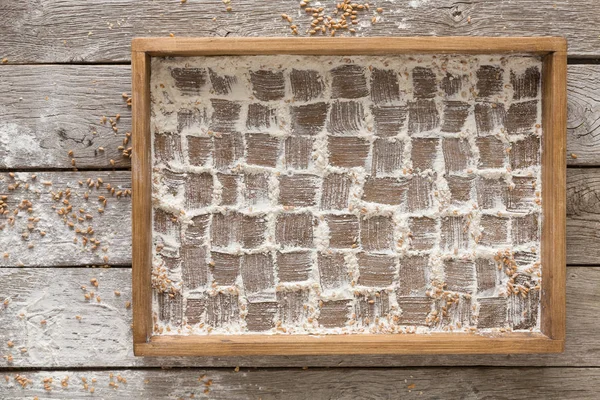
x: 334, y: 195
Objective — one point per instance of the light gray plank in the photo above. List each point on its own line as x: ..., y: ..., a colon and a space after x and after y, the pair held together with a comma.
x: 79, y: 95
x: 112, y: 227
x: 103, y: 336
x: 114, y: 230
x: 68, y: 31
x: 335, y: 383
x: 583, y: 215
x: 583, y: 124
x: 45, y: 111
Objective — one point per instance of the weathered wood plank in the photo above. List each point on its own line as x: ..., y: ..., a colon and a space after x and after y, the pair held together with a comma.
x: 113, y: 226
x: 72, y: 31
x: 102, y: 338
x: 330, y: 383
x: 79, y: 95
x: 583, y: 118
x: 56, y: 225
x: 583, y: 215
x: 45, y: 111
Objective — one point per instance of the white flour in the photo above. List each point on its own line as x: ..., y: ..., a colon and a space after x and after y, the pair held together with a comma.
x: 167, y: 100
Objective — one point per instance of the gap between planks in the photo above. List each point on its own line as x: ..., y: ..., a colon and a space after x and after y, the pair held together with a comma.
x: 571, y: 60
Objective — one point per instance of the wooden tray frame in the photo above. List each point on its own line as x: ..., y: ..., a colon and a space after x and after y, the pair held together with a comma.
x: 553, y: 240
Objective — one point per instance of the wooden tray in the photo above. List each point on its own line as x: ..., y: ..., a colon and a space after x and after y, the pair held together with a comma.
x: 551, y: 333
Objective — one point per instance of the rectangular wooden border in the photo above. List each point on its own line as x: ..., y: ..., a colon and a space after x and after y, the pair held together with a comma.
x: 141, y: 197
x: 553, y: 241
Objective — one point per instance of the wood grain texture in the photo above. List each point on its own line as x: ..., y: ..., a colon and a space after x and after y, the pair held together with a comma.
x: 50, y: 31
x: 52, y: 237
x: 198, y: 46
x: 330, y: 383
x: 103, y: 336
x: 302, y: 345
x: 142, y: 198
x: 48, y: 110
x: 71, y: 31
x: 299, y: 190
x: 75, y: 105
x: 583, y: 215
x: 583, y: 222
x: 554, y: 183
x: 583, y: 123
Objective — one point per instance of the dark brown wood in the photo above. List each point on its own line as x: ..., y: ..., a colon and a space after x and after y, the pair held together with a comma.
x: 257, y: 272
x: 460, y: 188
x: 194, y: 269
x: 384, y: 190
x: 384, y: 85
x: 333, y: 272
x: 292, y: 306
x: 267, y: 85
x: 454, y: 151
x: 348, y: 151
x: 306, y: 84
x: 336, y: 188
x: 228, y: 149
x: 495, y: 230
x: 226, y: 268
x: 298, y: 151
x: 294, y: 266
x: 455, y: 233
x: 375, y: 269
x: 460, y: 275
x: 262, y: 149
x: 377, y: 233
x: 334, y: 314
x: 422, y: 233
x: 388, y: 120
x: 308, y: 119
x: 260, y: 117
x: 294, y: 229
x: 492, y: 312
x: 420, y: 193
x: 387, y: 156
x: 346, y: 117
x: 141, y: 220
x: 256, y: 188
x: 343, y: 231
x: 554, y: 197
x: 423, y: 152
x: 492, y: 152
x: 261, y: 316
x: 415, y: 309
x: 199, y: 148
x: 584, y: 114
x: 224, y: 116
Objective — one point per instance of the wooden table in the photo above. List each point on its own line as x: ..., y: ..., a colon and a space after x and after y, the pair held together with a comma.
x: 67, y: 64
